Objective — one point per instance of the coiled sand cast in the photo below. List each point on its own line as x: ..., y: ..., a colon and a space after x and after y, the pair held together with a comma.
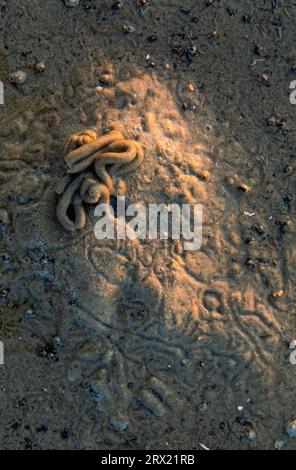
x: 90, y: 167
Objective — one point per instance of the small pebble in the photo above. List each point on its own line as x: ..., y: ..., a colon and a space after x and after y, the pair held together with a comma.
x: 190, y: 87
x: 213, y: 35
x: 29, y: 312
x: 291, y: 428
x: 128, y: 28
x: 202, y: 407
x: 192, y: 50
x: 152, y: 38
x: 203, y: 446
x: 107, y: 78
x: 3, y: 294
x: 244, y: 188
x: 277, y: 294
x: 57, y: 342
x: 40, y: 67
x: 279, y: 444
x: 18, y: 78
x: 264, y: 77
x: 251, y: 435
x: 271, y: 120
x: 119, y: 424
x: 118, y: 4
x: 4, y: 217
x: 71, y: 3
x: 276, y: 121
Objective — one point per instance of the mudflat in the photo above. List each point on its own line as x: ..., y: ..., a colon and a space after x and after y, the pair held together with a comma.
x: 140, y: 343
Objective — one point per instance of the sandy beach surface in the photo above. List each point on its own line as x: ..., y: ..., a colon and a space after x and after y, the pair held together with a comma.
x: 141, y: 344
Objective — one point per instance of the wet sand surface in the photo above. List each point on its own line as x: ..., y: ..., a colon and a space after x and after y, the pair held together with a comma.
x: 142, y: 344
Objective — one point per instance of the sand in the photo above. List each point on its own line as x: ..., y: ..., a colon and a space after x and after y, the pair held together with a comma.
x: 140, y: 344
